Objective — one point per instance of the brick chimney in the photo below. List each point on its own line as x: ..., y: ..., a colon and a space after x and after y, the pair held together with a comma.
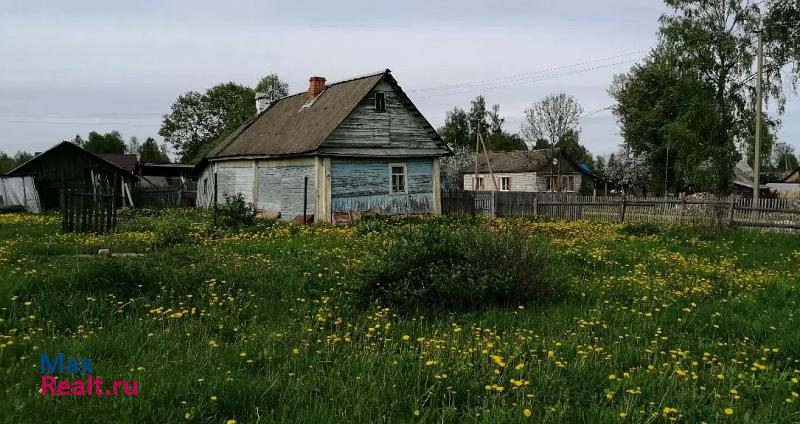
x: 316, y: 85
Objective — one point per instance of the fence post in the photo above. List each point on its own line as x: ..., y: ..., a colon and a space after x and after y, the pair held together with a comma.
x: 305, y: 198
x: 622, y: 209
x: 683, y: 207
x: 494, y: 204
x: 215, y: 198
x: 731, y: 210
x: 535, y: 204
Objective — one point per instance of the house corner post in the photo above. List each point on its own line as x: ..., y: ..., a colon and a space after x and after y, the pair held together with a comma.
x: 437, y: 187
x: 322, y: 189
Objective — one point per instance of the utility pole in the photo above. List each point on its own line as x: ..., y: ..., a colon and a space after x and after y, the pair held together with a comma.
x: 759, y: 106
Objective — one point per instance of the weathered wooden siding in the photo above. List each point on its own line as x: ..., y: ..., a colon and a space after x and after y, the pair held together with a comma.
x: 400, y: 126
x: 205, y: 188
x: 358, y: 186
x: 235, y: 180
x: 281, y: 189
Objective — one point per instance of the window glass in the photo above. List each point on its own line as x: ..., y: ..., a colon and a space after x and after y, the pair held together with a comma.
x: 398, y: 179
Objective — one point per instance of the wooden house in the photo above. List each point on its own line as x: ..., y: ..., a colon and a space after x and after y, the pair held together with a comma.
x: 335, y: 150
x: 526, y: 170
x: 68, y: 165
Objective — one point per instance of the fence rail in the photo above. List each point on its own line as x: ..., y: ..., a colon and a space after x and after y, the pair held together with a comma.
x: 777, y: 214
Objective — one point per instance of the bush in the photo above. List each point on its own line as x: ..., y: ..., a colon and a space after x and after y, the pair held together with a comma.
x: 639, y: 230
x: 236, y: 211
x: 461, y: 267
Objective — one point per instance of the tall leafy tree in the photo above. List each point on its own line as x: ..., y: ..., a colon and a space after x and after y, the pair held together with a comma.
x: 551, y: 119
x: 198, y: 121
x: 714, y: 40
x: 151, y: 152
x: 784, y: 159
x: 674, y: 119
x: 273, y: 86
x: 478, y: 115
x: 455, y: 131
x: 8, y: 162
x: 111, y: 142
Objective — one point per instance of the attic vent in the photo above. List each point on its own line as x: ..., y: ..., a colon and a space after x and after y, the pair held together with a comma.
x: 380, y: 102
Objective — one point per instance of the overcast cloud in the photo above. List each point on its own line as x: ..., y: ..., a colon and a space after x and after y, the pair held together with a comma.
x: 72, y: 67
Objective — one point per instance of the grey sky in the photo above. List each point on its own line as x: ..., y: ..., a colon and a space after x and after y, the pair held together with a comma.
x: 72, y: 67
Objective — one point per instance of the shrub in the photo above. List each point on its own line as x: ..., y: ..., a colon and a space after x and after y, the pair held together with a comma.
x: 460, y: 267
x: 236, y: 212
x: 639, y: 230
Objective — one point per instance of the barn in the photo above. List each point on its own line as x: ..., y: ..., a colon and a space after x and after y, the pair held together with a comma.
x: 68, y: 165
x: 336, y: 150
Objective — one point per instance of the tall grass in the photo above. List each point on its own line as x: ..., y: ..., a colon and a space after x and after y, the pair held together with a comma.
x: 260, y: 325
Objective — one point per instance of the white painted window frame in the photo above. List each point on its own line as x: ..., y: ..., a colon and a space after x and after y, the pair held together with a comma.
x: 405, y: 178
x: 508, y: 186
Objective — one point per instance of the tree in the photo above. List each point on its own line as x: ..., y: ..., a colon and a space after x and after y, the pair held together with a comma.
x: 197, y: 121
x: 495, y: 120
x: 627, y: 168
x: 151, y: 152
x: 784, y: 159
x: 455, y: 131
x: 713, y: 40
x: 667, y: 114
x: 503, y: 141
x: 477, y: 115
x: 7, y: 163
x: 455, y: 166
x: 273, y: 86
x: 133, y: 146
x: 111, y: 142
x: 551, y: 119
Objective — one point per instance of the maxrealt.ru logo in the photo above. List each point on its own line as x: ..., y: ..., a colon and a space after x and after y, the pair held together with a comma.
x: 79, y: 367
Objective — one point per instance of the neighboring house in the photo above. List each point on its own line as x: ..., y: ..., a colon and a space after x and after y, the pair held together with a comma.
x: 526, y: 170
x: 789, y: 186
x: 356, y: 145
x: 69, y: 165
x: 743, y: 180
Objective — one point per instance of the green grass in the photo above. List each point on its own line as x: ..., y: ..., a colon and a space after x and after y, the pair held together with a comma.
x: 675, y: 326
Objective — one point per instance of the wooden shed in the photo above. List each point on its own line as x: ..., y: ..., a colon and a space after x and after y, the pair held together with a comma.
x: 68, y: 165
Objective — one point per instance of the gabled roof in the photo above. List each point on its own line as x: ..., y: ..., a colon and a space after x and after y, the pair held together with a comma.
x: 521, y: 161
x: 792, y: 177
x: 294, y: 125
x: 69, y: 146
x: 124, y: 161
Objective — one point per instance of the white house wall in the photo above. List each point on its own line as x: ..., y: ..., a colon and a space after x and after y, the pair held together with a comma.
x: 275, y: 185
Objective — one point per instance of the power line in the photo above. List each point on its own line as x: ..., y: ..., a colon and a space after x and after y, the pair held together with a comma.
x: 530, y: 80
x: 522, y: 75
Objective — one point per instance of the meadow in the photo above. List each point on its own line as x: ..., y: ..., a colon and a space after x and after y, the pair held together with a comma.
x: 269, y: 324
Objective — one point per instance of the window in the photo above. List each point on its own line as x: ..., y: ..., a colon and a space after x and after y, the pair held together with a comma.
x: 567, y: 183
x: 205, y: 186
x: 380, y: 102
x: 398, y: 178
x: 505, y: 183
x: 480, y: 184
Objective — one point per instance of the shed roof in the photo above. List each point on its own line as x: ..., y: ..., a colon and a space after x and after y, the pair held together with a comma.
x: 68, y: 146
x: 293, y: 125
x: 124, y: 161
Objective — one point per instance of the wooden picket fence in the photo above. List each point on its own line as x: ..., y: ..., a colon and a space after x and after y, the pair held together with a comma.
x: 775, y: 214
x: 88, y: 211
x: 163, y: 197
